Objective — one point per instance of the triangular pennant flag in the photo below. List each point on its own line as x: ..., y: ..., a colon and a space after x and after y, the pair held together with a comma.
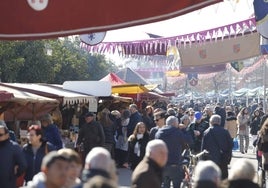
x: 238, y: 66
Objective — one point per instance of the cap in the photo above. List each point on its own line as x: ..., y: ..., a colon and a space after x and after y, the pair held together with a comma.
x: 89, y: 114
x: 198, y: 115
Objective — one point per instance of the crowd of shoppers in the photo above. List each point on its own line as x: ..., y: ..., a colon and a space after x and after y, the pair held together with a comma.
x: 148, y: 141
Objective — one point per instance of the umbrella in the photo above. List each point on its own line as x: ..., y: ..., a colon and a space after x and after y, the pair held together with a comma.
x: 50, y: 18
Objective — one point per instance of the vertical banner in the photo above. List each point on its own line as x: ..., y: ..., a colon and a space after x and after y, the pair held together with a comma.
x: 193, y: 79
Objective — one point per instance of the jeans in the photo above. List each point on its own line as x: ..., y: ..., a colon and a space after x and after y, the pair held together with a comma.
x: 172, y: 173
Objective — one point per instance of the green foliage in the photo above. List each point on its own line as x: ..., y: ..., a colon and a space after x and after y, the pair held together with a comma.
x: 29, y: 62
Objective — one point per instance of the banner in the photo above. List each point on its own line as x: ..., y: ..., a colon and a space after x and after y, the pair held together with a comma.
x: 221, y: 51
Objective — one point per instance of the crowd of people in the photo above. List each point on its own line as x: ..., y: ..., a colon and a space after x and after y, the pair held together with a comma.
x: 147, y: 141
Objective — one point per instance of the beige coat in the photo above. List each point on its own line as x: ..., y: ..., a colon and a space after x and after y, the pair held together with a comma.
x: 231, y: 126
x: 243, y: 121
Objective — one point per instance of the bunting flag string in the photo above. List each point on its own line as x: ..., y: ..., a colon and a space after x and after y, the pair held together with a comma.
x: 158, y: 46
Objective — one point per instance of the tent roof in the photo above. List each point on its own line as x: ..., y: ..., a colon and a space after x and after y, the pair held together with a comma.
x: 24, y: 105
x: 64, y: 96
x: 113, y: 79
x: 48, y: 18
x: 24, y: 97
x: 131, y: 76
x: 129, y: 89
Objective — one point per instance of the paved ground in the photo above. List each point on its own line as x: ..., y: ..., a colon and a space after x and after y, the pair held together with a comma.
x: 125, y: 174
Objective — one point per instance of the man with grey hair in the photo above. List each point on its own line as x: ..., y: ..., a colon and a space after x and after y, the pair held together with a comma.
x: 218, y: 142
x: 175, y: 140
x: 148, y: 173
x: 207, y: 174
x: 98, y: 162
x: 135, y: 118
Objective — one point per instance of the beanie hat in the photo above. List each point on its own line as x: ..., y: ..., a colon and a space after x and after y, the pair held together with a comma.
x: 198, y: 115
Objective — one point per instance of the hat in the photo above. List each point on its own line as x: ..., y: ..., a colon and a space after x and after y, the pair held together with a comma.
x: 198, y: 115
x: 89, y: 114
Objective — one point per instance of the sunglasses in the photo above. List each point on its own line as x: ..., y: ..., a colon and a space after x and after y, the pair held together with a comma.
x: 157, y: 119
x: 3, y: 134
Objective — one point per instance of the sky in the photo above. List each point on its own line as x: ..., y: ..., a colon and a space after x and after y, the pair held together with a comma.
x: 220, y: 14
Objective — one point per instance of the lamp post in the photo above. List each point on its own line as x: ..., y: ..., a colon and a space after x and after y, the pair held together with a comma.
x: 264, y: 84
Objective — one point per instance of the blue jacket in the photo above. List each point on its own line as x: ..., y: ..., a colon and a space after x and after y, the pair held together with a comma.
x: 34, y: 161
x: 52, y: 135
x: 175, y: 139
x: 134, y: 119
x: 10, y: 156
x: 216, y: 138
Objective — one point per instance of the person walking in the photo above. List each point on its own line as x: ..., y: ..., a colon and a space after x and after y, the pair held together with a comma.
x: 54, y: 171
x: 175, y: 140
x: 231, y: 124
x: 149, y: 171
x: 242, y: 174
x: 12, y: 160
x: 218, y: 142
x: 207, y: 174
x: 159, y: 119
x: 135, y: 117
x: 196, y: 129
x: 51, y: 131
x: 91, y: 134
x: 263, y: 145
x: 255, y: 126
x: 137, y: 144
x: 35, y: 150
x: 121, y: 144
x: 109, y: 130
x: 243, y: 120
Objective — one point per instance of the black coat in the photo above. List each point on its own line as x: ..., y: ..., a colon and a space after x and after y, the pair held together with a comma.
x: 215, y: 140
x: 133, y: 159
x: 11, y: 155
x: 91, y: 135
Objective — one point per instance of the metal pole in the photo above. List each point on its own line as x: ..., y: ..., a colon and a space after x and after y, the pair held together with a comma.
x: 230, y: 85
x: 264, y: 85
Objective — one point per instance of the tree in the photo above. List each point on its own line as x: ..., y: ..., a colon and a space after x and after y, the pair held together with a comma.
x: 10, y: 61
x: 37, y: 67
x: 28, y: 61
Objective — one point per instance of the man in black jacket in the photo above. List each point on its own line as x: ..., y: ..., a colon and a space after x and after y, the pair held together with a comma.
x: 12, y: 161
x: 91, y: 133
x: 218, y: 142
